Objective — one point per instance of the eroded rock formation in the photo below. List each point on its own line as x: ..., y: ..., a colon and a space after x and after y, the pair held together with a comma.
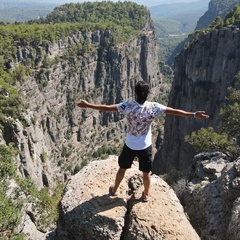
x: 89, y: 212
x: 212, y: 196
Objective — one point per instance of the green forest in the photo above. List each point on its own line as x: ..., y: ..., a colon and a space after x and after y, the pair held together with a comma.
x: 125, y: 18
x: 123, y: 14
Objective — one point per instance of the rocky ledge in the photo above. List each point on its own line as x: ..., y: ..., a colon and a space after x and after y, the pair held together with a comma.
x: 89, y: 212
x: 212, y: 196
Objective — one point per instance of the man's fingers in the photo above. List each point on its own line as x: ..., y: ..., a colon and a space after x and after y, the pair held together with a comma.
x: 82, y: 103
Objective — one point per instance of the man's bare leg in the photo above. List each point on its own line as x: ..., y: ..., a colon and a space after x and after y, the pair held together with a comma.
x: 146, y: 184
x: 119, y: 177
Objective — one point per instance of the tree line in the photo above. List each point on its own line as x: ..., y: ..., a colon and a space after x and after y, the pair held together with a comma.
x: 125, y: 17
x: 120, y: 13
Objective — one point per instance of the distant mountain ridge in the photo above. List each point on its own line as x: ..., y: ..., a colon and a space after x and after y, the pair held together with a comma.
x: 27, y: 5
x: 24, y: 11
x: 186, y: 13
x: 172, y: 10
x: 59, y: 2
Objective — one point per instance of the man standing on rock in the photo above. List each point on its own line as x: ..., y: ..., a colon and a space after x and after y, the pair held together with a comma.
x: 140, y: 115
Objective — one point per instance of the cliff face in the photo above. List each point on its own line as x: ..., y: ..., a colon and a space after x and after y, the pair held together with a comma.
x: 55, y: 138
x: 216, y: 8
x: 203, y: 72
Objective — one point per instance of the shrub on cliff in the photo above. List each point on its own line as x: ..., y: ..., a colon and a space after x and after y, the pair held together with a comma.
x: 45, y: 201
x: 233, y: 17
x: 9, y: 208
x: 10, y: 102
x: 227, y: 137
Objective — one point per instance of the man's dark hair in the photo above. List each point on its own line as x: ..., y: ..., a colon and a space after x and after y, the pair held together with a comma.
x: 142, y: 90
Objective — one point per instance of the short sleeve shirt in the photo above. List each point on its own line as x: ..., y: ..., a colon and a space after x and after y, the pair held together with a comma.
x: 139, y: 120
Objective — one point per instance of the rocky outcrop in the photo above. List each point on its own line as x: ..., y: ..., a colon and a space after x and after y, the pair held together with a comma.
x: 89, y: 212
x: 216, y: 8
x: 203, y: 72
x: 212, y: 196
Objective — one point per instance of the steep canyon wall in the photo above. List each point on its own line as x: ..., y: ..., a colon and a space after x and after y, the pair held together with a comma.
x: 55, y: 138
x: 203, y: 72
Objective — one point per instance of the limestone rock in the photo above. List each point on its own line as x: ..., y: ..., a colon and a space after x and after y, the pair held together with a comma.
x: 32, y: 145
x: 230, y: 184
x: 203, y: 72
x: 2, y: 141
x: 211, y: 198
x: 30, y: 229
x: 89, y: 212
x: 233, y: 231
x: 216, y: 8
x: 162, y: 218
x: 209, y: 166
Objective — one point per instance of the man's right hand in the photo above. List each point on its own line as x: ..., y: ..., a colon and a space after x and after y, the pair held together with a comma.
x: 82, y: 103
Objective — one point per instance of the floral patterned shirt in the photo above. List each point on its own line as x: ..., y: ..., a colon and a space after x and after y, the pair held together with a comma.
x: 139, y: 119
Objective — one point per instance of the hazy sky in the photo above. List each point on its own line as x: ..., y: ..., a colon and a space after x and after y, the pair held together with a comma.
x: 143, y: 2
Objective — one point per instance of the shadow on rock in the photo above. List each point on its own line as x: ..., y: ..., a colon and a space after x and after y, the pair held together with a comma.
x: 101, y: 217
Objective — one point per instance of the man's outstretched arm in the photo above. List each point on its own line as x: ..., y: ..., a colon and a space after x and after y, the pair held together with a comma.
x: 100, y: 107
x: 181, y: 113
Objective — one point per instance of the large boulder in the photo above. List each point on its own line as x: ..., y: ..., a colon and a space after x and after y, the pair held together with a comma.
x: 212, y: 196
x: 89, y: 212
